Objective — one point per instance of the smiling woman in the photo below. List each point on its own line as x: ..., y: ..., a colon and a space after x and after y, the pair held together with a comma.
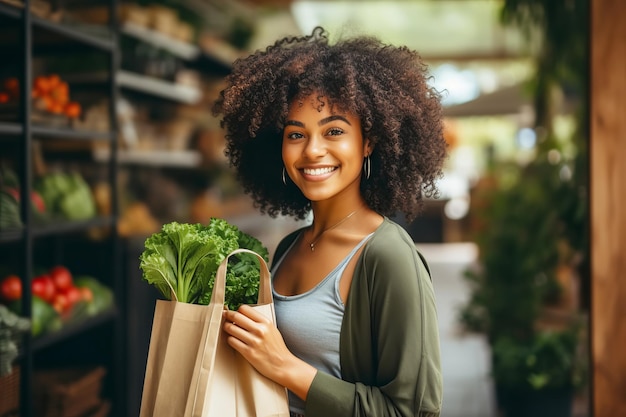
x: 353, y: 133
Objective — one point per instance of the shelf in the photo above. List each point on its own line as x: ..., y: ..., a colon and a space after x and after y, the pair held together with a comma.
x: 11, y: 235
x: 57, y: 228
x: 153, y: 86
x: 75, y: 34
x: 7, y: 128
x: 178, y: 48
x: 69, y: 226
x: 71, y: 329
x: 11, y: 11
x: 171, y: 159
x: 69, y: 133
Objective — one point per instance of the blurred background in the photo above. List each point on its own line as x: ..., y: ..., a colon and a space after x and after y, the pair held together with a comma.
x: 116, y: 138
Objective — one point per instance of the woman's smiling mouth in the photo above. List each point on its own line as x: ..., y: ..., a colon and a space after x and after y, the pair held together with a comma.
x: 318, y: 171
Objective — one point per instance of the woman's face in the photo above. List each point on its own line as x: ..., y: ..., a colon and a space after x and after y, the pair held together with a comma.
x: 323, y: 149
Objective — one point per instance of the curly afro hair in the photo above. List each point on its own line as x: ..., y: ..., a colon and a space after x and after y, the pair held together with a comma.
x: 384, y: 85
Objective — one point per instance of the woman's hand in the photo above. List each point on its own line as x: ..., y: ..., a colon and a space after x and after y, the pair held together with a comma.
x: 258, y: 340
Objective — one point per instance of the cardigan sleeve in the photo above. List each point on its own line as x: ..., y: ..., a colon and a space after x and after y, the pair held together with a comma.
x: 390, y: 342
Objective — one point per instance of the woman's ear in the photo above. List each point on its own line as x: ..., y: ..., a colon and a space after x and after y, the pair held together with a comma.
x: 368, y: 147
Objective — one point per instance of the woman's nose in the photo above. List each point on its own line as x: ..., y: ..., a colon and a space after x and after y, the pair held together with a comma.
x: 314, y: 147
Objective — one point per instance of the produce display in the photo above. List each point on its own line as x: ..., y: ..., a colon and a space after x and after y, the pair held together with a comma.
x: 50, y: 93
x: 182, y: 260
x: 58, y: 298
x: 56, y: 195
x: 67, y: 195
x: 10, y: 201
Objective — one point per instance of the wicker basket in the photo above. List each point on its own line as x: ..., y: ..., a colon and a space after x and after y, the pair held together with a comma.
x: 10, y: 389
x: 71, y: 392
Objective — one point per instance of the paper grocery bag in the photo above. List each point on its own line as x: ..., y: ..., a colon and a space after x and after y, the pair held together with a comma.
x: 192, y: 371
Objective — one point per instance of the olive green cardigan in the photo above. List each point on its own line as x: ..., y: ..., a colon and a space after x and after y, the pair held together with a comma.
x: 389, y: 342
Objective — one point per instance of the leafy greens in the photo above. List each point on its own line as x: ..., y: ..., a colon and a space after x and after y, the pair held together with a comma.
x: 182, y: 259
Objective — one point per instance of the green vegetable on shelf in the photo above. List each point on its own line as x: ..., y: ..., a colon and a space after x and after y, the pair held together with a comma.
x: 9, y: 212
x: 68, y: 195
x: 102, y: 295
x: 182, y: 259
x: 44, y: 317
x: 11, y: 328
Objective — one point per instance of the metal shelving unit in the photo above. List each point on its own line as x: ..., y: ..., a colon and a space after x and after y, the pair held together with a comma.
x: 24, y: 240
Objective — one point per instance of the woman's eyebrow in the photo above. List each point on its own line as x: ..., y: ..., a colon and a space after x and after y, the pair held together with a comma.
x: 331, y: 118
x: 320, y: 123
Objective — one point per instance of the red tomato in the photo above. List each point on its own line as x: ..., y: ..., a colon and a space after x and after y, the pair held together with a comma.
x: 60, y: 303
x: 38, y: 202
x: 43, y: 287
x: 73, y: 295
x: 11, y: 288
x: 86, y: 294
x: 61, y: 276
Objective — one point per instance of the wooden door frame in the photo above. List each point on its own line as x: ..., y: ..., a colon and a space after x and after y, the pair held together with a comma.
x: 608, y: 207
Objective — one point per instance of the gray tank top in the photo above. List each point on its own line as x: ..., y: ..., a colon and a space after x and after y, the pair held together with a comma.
x: 310, y: 322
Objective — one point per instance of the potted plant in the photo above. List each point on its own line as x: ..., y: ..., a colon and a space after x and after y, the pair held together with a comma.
x: 531, y: 229
x: 518, y: 299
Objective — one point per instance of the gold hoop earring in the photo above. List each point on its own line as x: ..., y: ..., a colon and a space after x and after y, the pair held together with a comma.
x: 284, y: 179
x: 367, y: 167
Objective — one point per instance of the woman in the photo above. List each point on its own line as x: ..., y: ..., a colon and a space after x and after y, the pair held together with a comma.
x: 352, y: 132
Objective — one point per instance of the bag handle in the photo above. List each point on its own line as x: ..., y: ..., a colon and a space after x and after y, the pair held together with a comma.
x: 219, y: 289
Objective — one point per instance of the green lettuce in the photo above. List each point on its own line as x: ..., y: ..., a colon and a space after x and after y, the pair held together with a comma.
x: 181, y: 261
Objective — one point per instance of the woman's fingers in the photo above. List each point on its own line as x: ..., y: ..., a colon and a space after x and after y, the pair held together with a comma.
x: 247, y: 318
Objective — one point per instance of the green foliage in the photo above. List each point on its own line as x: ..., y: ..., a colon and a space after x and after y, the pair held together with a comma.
x: 519, y: 252
x: 182, y: 259
x: 535, y: 216
x: 547, y: 360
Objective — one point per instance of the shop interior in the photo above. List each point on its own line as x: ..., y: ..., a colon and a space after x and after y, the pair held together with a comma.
x: 116, y: 138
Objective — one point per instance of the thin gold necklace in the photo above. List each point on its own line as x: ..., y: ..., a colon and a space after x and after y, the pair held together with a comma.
x: 312, y: 244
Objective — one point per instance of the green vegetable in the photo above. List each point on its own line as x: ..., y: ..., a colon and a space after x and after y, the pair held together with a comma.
x: 182, y: 259
x: 102, y: 295
x: 9, y: 212
x: 11, y: 328
x: 44, y: 317
x: 68, y: 195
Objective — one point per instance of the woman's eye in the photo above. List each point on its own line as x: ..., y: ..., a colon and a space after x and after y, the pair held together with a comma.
x: 294, y: 135
x: 335, y: 131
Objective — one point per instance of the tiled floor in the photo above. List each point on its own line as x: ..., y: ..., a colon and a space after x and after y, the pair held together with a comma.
x: 468, y: 390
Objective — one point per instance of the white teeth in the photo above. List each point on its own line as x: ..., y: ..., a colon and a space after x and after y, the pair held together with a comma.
x: 318, y: 171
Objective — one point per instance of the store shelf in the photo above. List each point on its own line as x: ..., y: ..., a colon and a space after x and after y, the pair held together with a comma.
x: 10, y: 10
x: 171, y: 159
x: 178, y: 48
x: 11, y: 235
x: 10, y: 128
x: 68, y: 226
x: 72, y: 329
x: 159, y: 88
x: 69, y: 133
x: 60, y: 227
x: 74, y: 34
x: 35, y: 44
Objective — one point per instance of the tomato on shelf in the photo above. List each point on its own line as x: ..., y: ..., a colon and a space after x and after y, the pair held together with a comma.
x: 73, y: 295
x: 72, y: 109
x: 50, y: 94
x: 60, y: 303
x: 43, y: 287
x: 86, y: 294
x: 11, y: 288
x: 61, y: 277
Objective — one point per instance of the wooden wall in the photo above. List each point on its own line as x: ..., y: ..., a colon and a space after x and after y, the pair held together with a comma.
x: 608, y: 206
